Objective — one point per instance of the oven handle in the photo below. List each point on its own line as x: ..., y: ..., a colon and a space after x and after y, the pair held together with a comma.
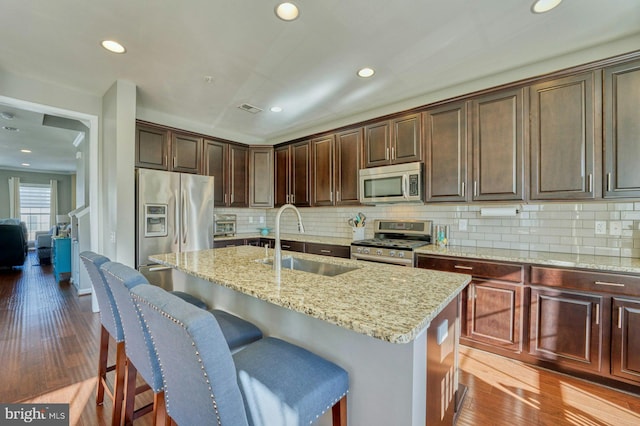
x: 395, y: 261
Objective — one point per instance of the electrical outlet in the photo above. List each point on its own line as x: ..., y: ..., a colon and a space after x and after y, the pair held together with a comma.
x: 601, y: 227
x: 250, y: 219
x: 615, y: 228
x: 113, y: 236
x: 462, y: 225
x: 261, y: 219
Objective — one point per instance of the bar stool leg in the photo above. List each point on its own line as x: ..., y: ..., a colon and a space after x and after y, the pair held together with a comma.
x: 339, y: 412
x: 118, y: 385
x: 102, y: 364
x: 160, y: 415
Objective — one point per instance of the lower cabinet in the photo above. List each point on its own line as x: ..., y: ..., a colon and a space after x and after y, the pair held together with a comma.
x: 567, y: 328
x: 625, y: 339
x: 328, y: 250
x: 494, y: 313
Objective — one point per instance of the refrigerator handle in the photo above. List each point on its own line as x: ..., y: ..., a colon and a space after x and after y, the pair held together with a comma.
x: 176, y: 225
x: 184, y: 217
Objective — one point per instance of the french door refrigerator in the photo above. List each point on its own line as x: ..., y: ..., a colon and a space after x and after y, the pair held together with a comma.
x: 174, y: 214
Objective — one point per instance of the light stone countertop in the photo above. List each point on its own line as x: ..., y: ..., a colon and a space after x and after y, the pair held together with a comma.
x: 567, y: 260
x: 307, y: 238
x: 390, y: 303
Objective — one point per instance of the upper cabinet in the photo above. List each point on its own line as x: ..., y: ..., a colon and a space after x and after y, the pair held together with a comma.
x: 336, y: 161
x: 261, y: 177
x: 565, y: 137
x: 393, y: 141
x: 622, y: 130
x: 163, y: 149
x: 152, y: 148
x: 293, y: 174
x: 498, y: 146
x: 228, y: 164
x: 445, y: 131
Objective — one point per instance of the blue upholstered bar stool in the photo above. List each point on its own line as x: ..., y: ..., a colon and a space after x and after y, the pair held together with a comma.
x: 141, y: 356
x: 110, y: 327
x: 268, y: 383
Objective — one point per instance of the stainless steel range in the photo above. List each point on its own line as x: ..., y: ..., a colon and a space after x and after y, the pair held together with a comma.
x: 394, y: 241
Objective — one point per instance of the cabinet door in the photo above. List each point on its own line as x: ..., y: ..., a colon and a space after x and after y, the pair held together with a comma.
x: 152, y: 148
x: 446, y: 152
x: 498, y: 146
x: 406, y: 137
x: 622, y: 130
x: 301, y: 174
x: 239, y: 176
x: 282, y: 192
x: 347, y: 163
x: 323, y: 163
x: 494, y: 313
x: 625, y: 339
x: 565, y: 117
x: 185, y: 153
x: 566, y: 328
x: 261, y: 177
x: 377, y: 144
x: 215, y: 164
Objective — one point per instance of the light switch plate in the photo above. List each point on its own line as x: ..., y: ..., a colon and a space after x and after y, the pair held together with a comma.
x: 462, y: 225
x: 601, y: 227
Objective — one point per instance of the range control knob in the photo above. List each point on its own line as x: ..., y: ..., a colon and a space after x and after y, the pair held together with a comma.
x: 392, y: 253
x: 379, y: 252
x: 365, y: 251
x: 358, y: 249
x: 400, y: 254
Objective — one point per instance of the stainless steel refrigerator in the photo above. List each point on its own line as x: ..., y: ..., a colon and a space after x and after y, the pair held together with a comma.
x: 174, y: 213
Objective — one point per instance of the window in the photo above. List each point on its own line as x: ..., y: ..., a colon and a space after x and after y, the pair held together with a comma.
x: 35, y: 207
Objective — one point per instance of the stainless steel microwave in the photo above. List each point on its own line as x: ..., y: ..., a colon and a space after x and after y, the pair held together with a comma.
x: 398, y: 183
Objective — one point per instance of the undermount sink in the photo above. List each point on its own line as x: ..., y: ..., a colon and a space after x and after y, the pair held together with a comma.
x: 311, y: 266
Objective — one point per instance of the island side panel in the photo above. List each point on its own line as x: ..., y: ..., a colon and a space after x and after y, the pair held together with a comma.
x: 387, y: 381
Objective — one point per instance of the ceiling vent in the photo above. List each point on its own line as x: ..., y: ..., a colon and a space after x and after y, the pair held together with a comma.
x: 250, y: 108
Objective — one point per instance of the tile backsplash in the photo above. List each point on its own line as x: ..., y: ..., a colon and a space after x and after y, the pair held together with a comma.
x: 546, y: 227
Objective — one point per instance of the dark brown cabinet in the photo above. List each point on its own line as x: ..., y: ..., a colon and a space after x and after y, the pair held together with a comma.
x: 445, y: 130
x: 492, y: 315
x: 185, y: 153
x: 565, y: 137
x: 261, y: 177
x: 498, y: 146
x: 625, y: 339
x: 336, y: 161
x: 293, y: 174
x: 152, y: 148
x: 567, y: 328
x: 622, y: 130
x: 393, y: 141
x: 228, y: 164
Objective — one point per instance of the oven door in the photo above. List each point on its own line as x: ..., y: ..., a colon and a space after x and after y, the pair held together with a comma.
x: 401, y: 261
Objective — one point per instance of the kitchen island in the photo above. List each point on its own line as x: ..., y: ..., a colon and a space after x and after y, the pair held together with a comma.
x: 373, y: 321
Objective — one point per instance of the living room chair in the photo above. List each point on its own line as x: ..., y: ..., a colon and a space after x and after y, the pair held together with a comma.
x: 268, y: 383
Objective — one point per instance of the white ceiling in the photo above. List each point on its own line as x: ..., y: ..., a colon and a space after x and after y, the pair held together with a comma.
x: 308, y: 66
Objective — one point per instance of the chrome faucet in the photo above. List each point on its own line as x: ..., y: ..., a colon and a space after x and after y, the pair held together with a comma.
x: 277, y: 256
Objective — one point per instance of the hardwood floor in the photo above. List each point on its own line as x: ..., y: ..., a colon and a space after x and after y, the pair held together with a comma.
x: 49, y: 352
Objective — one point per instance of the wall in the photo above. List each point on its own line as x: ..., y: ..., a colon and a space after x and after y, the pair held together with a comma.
x: 548, y: 227
x: 117, y: 161
x: 65, y: 189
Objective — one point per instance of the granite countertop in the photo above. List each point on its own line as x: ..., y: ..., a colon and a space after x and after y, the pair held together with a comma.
x: 307, y: 238
x: 567, y: 260
x: 390, y: 303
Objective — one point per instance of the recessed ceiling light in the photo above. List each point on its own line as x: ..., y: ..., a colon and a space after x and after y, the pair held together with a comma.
x: 542, y: 6
x: 366, y: 72
x: 275, y: 109
x: 26, y: 164
x: 287, y: 11
x: 26, y: 151
x: 7, y: 115
x: 11, y: 129
x: 113, y: 46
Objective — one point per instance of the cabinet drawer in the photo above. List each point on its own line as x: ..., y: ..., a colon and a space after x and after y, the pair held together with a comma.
x: 328, y: 250
x: 587, y: 281
x: 477, y: 268
x: 292, y: 245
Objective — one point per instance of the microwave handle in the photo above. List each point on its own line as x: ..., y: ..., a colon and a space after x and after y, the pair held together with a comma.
x: 405, y: 186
